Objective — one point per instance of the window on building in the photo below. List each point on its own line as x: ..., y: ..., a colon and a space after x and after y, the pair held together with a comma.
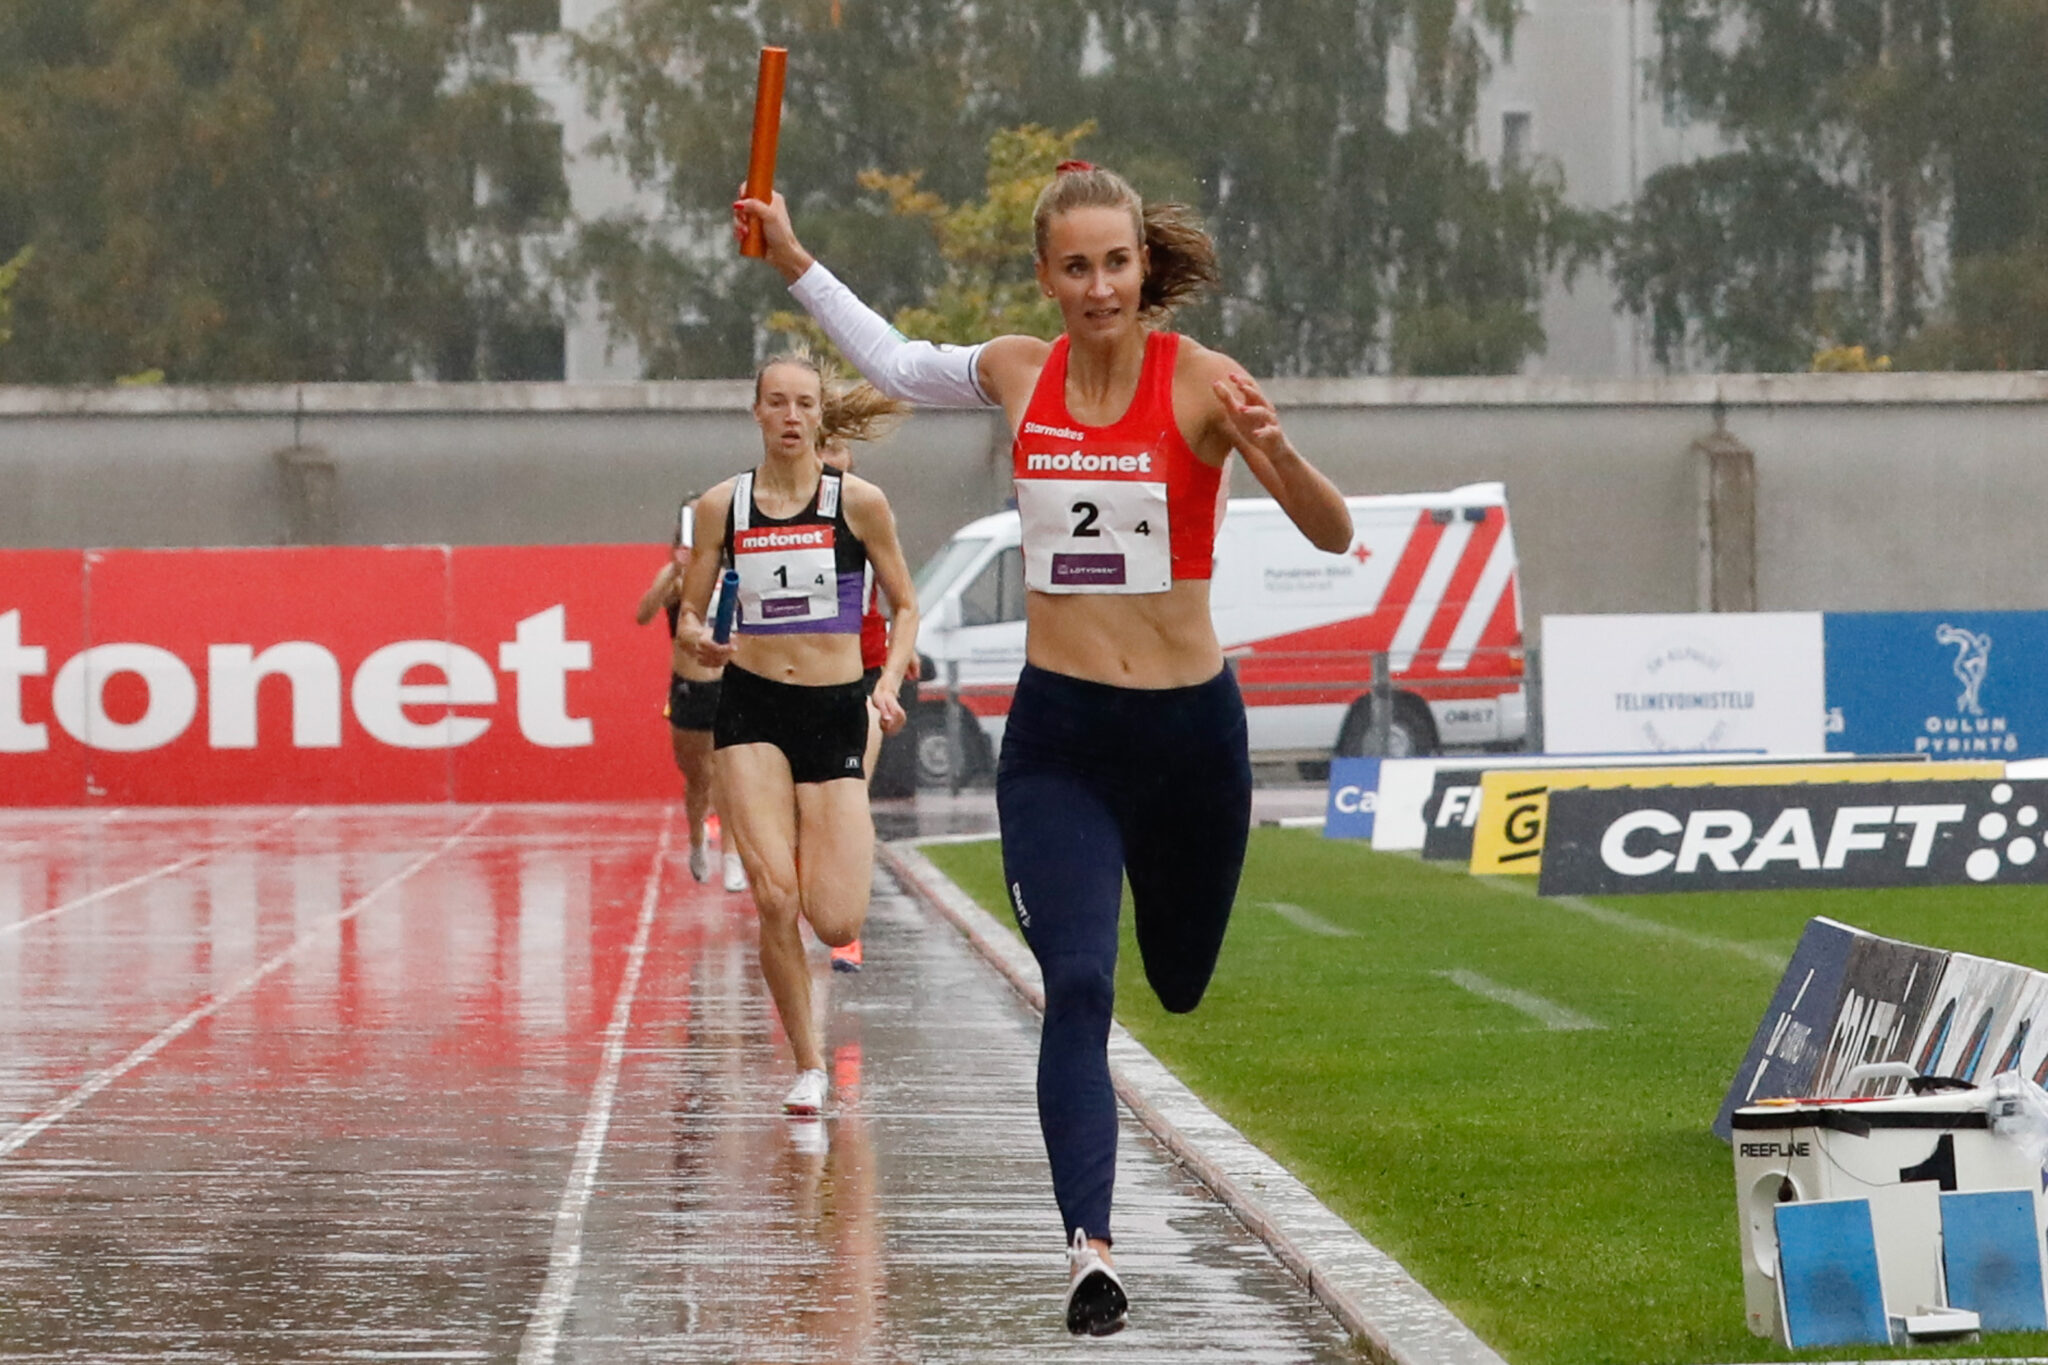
x: 534, y: 351
x: 530, y: 187
x: 521, y: 16
x: 1517, y: 139
x: 528, y: 352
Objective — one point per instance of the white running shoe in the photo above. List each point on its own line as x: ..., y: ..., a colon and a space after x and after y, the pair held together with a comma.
x: 1096, y: 1305
x: 700, y: 862
x: 735, y: 873
x: 807, y: 1096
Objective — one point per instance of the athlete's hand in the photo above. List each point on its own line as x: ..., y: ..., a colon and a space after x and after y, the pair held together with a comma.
x: 695, y: 638
x: 1250, y: 418
x: 1308, y: 497
x: 888, y: 710
x: 784, y: 251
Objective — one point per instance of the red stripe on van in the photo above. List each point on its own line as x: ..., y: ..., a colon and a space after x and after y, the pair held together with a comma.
x: 1457, y: 595
x: 1284, y: 670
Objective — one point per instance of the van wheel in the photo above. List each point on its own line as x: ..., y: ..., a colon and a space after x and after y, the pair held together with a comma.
x: 934, y: 755
x: 1411, y: 735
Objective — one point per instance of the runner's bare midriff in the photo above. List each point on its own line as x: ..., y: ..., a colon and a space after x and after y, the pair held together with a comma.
x: 803, y: 660
x: 683, y: 663
x: 1146, y: 640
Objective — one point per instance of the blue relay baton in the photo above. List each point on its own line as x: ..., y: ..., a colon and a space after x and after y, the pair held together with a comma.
x: 728, y: 602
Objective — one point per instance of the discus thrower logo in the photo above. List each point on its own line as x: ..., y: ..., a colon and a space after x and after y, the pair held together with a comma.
x: 1970, y: 730
x: 1973, y: 661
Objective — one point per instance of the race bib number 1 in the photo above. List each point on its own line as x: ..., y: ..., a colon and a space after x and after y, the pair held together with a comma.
x: 1095, y: 535
x: 787, y: 576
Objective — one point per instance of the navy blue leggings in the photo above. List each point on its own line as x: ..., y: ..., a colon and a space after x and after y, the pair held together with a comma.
x: 1098, y: 782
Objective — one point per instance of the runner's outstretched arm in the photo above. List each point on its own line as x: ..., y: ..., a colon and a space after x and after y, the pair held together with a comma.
x: 922, y: 372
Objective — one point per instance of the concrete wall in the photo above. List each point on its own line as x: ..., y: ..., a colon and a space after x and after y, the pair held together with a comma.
x: 1872, y: 491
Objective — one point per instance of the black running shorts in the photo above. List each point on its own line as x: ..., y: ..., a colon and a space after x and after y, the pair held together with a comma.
x: 822, y: 731
x: 692, y: 705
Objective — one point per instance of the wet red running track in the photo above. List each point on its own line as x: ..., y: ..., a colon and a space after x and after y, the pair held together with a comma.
x: 500, y: 1084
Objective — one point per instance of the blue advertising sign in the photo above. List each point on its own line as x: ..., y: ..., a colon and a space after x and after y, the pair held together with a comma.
x: 1354, y: 796
x: 1948, y: 684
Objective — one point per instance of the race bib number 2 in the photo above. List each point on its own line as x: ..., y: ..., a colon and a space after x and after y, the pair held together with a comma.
x: 1095, y: 535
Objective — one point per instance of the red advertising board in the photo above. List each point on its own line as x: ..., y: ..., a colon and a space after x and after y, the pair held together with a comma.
x: 296, y: 676
x: 42, y: 623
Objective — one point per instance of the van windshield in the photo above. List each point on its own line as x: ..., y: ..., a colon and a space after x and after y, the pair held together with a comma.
x: 943, y: 568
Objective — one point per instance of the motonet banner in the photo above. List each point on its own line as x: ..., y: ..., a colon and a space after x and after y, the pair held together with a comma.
x: 293, y: 676
x: 1794, y: 837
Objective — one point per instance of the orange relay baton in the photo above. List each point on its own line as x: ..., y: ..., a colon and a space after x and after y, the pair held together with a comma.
x: 767, y: 132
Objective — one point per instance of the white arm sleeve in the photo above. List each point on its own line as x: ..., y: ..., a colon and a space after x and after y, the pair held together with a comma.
x: 923, y: 372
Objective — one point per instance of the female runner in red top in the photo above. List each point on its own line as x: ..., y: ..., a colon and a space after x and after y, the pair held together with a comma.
x: 1124, y: 754
x: 874, y: 652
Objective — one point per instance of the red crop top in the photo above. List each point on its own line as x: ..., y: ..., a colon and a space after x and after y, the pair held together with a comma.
x: 1123, y: 508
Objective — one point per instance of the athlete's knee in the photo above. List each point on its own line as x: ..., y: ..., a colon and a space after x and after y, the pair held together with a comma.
x: 1078, y: 985
x: 836, y: 930
x: 834, y: 915
x: 776, y: 897
x: 1179, y: 993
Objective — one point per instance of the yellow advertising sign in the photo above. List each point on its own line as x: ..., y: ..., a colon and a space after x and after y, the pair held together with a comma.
x: 1514, y: 802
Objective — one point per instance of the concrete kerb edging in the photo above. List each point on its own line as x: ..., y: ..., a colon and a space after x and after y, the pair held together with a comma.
x: 1395, y: 1319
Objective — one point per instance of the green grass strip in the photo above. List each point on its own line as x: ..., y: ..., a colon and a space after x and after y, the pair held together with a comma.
x: 1555, y: 1183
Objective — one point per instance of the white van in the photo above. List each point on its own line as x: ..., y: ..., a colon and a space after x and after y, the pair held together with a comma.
x: 1430, y: 578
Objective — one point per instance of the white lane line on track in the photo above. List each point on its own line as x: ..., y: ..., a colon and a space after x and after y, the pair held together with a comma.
x: 1308, y: 920
x: 1548, y: 1013
x: 1616, y: 919
x: 101, y: 1079
x: 565, y: 1256
x: 168, y: 869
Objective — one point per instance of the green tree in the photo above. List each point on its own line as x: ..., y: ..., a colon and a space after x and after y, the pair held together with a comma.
x: 1350, y: 243
x: 1328, y: 148
x: 1740, y: 256
x: 246, y: 190
x: 896, y: 84
x: 1856, y: 127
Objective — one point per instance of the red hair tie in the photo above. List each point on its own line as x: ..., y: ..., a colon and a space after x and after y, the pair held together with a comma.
x: 1068, y: 167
